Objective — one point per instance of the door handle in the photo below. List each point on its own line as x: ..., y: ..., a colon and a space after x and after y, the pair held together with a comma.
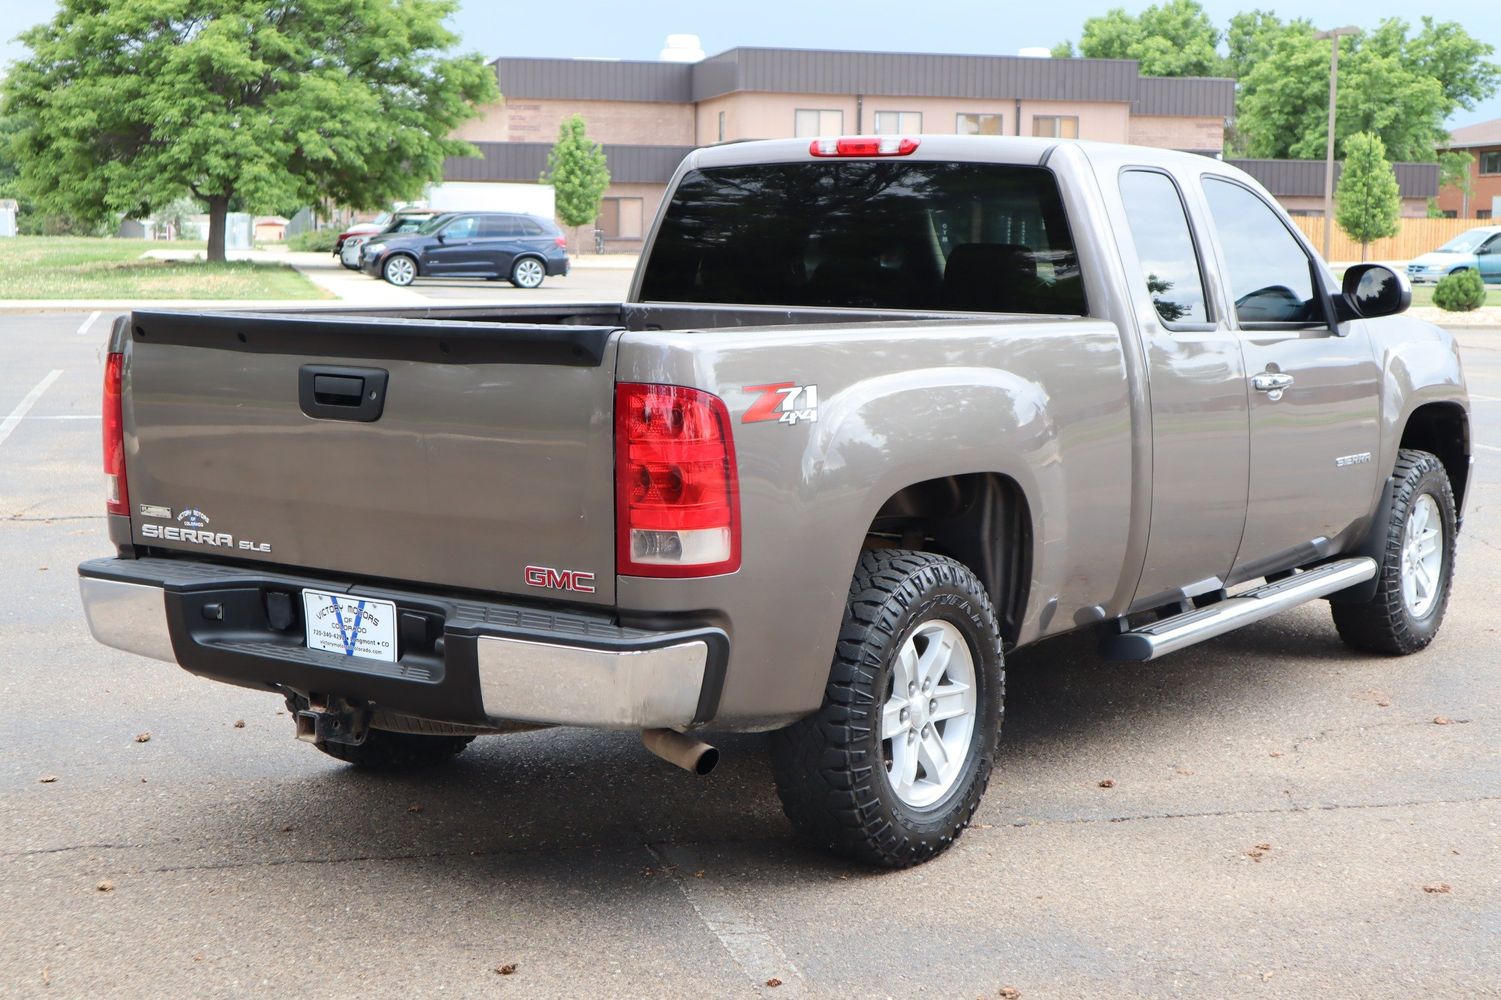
x: 329, y: 392
x: 1270, y: 382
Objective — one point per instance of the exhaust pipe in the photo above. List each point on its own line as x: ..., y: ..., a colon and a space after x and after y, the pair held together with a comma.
x: 684, y: 751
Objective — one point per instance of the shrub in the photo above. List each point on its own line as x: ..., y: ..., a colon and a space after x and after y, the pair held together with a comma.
x: 1460, y: 291
x: 314, y: 241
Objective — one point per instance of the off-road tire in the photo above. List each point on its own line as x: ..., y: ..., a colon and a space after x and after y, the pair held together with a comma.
x: 829, y: 768
x: 1385, y: 624
x: 387, y: 751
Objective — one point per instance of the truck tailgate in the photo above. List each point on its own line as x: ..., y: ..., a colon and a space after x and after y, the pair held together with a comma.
x: 490, y: 451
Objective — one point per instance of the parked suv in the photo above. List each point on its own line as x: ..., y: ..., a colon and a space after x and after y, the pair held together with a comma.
x: 523, y: 249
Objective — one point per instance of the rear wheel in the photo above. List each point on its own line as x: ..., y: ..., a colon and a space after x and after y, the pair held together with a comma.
x: 1412, y: 585
x: 892, y: 767
x: 528, y: 273
x: 399, y: 269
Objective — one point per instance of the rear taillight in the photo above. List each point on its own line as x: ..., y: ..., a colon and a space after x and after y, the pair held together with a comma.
x: 117, y: 499
x: 677, y: 495
x: 561, y: 241
x: 876, y: 145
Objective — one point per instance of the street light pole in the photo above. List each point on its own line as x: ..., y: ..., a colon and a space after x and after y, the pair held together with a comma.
x: 1334, y: 37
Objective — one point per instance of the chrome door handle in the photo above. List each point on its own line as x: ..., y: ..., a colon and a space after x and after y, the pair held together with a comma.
x: 1271, y: 381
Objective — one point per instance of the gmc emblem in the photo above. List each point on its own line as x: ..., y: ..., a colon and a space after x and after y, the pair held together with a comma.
x: 548, y: 578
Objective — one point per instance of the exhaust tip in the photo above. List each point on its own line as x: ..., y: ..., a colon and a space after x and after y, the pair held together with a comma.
x: 683, y: 751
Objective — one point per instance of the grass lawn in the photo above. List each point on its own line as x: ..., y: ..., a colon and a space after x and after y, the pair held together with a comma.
x: 73, y: 267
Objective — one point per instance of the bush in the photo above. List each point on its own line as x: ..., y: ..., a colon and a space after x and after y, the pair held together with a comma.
x: 1460, y: 291
x: 314, y: 241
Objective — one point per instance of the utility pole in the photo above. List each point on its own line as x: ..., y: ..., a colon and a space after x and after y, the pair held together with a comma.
x: 1334, y: 37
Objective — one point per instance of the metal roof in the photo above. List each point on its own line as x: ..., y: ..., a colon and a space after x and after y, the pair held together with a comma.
x: 527, y: 161
x: 893, y: 74
x: 1304, y: 178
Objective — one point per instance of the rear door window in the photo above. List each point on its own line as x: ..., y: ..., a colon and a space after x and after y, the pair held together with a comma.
x: 881, y: 234
x: 1164, y: 247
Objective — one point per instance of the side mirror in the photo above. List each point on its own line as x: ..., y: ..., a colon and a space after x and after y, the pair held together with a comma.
x: 1374, y: 290
x: 440, y: 237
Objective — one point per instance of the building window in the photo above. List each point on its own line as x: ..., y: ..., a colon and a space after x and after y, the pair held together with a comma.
x: 721, y: 126
x: 1483, y: 213
x: 809, y: 123
x: 1450, y: 213
x: 898, y: 122
x: 971, y: 124
x: 1056, y: 126
x: 1490, y: 163
x: 620, y: 218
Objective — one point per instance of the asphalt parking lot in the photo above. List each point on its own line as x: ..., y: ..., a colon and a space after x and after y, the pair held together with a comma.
x: 1284, y: 819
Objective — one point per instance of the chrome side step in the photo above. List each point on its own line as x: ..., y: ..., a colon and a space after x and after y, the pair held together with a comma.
x: 1172, y: 634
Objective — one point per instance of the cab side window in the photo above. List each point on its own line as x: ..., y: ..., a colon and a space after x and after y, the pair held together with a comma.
x: 1270, y: 275
x: 1165, y: 247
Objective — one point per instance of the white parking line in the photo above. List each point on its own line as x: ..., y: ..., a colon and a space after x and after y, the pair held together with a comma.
x: 1482, y: 447
x: 88, y: 323
x: 26, y: 404
x: 64, y: 416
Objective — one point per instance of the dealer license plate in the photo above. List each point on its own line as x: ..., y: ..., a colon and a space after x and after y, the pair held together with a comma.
x: 350, y: 626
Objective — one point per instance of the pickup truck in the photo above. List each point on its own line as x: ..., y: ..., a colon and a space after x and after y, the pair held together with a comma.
x: 877, y: 411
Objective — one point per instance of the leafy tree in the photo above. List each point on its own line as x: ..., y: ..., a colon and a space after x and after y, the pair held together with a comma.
x: 1387, y: 85
x: 1063, y: 50
x: 576, y: 169
x: 1367, y: 203
x: 131, y: 104
x: 1175, y: 38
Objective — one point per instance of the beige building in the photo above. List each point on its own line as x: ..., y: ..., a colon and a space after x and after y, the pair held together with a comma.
x: 648, y: 115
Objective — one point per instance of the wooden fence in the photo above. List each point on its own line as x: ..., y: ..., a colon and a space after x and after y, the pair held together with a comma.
x: 1416, y: 236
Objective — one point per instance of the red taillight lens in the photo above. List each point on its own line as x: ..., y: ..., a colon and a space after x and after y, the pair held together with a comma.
x: 677, y: 494
x: 117, y: 499
x: 561, y: 241
x: 875, y: 145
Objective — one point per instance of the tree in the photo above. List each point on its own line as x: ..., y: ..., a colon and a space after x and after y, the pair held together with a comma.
x: 1367, y: 201
x: 129, y: 105
x: 1387, y: 85
x: 1175, y: 38
x: 1454, y: 172
x: 577, y: 172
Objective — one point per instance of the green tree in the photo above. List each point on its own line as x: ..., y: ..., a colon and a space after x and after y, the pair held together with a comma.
x: 1063, y: 50
x: 1367, y: 203
x: 1387, y: 85
x: 1174, y: 38
x: 577, y: 172
x: 129, y: 105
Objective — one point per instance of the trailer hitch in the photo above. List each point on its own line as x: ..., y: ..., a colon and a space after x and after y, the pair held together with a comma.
x: 324, y: 719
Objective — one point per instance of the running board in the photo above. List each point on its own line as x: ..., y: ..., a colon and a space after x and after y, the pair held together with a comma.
x: 1171, y: 634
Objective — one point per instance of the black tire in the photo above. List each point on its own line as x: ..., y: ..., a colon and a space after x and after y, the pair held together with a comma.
x: 388, y: 751
x: 1386, y: 624
x: 528, y: 272
x: 831, y: 768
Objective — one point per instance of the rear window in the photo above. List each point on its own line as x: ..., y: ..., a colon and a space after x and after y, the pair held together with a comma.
x: 878, y: 234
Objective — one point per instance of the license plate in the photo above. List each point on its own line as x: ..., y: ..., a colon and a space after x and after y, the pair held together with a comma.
x: 350, y: 626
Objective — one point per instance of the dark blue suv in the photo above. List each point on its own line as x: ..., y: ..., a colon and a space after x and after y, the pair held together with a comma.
x: 523, y: 249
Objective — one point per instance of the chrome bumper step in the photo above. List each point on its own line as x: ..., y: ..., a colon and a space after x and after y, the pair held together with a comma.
x: 1172, y: 634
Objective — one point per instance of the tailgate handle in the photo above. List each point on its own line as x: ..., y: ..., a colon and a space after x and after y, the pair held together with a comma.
x: 331, y: 392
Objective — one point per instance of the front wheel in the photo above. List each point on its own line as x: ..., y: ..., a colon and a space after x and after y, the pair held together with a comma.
x: 891, y: 768
x: 399, y: 270
x: 528, y: 273
x: 1412, y: 586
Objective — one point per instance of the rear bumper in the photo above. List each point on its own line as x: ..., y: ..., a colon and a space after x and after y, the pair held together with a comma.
x: 459, y: 660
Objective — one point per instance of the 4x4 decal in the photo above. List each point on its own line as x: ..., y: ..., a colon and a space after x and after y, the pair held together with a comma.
x: 784, y: 402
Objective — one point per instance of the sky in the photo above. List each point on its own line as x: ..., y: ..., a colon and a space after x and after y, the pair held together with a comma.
x: 621, y: 30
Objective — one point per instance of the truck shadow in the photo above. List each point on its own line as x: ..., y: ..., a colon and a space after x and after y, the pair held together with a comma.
x: 525, y: 797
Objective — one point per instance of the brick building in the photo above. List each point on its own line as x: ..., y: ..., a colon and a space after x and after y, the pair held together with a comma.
x: 1483, y: 142
x: 648, y: 115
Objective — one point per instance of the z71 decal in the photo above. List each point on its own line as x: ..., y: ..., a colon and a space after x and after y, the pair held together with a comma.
x: 784, y: 402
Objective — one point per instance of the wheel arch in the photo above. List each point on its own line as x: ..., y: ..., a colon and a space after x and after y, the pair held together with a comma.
x: 1442, y: 428
x: 982, y: 520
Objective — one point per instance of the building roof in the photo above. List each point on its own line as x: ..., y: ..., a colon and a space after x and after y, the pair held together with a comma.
x: 1482, y: 134
x: 894, y: 74
x: 1305, y: 178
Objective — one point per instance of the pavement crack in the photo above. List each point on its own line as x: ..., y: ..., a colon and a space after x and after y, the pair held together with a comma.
x: 1284, y: 810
